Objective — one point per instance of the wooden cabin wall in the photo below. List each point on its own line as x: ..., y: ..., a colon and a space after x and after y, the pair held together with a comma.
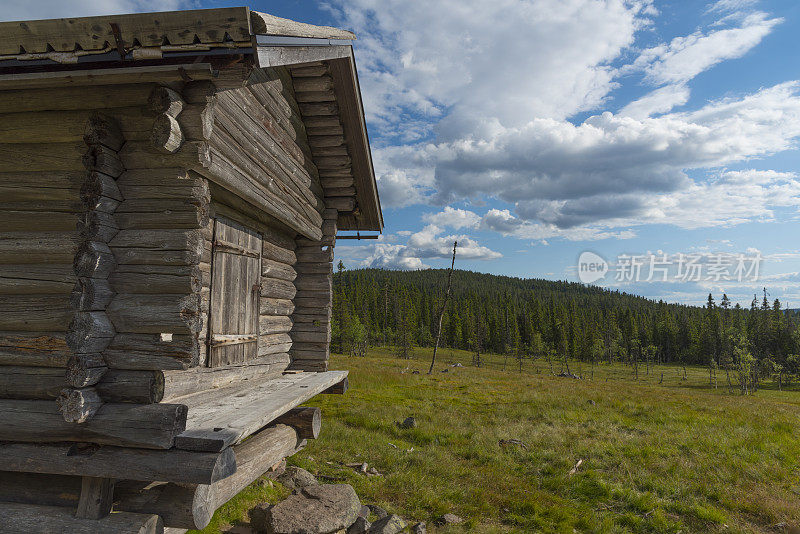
x: 50, y: 191
x: 160, y: 235
x: 257, y: 133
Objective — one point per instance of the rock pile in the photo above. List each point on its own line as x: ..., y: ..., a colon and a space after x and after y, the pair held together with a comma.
x: 315, y: 508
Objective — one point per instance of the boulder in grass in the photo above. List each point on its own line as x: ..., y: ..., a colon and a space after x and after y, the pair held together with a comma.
x: 419, y: 528
x: 391, y: 524
x: 296, y: 478
x: 377, y: 510
x: 450, y: 519
x: 316, y: 509
x: 361, y: 526
x: 408, y: 422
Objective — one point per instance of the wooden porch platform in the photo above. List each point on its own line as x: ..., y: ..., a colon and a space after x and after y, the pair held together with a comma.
x: 223, y: 417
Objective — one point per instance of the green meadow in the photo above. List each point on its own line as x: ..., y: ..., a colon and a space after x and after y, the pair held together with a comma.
x: 609, y: 453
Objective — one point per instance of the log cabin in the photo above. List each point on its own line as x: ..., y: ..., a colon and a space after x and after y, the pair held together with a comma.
x: 171, y: 189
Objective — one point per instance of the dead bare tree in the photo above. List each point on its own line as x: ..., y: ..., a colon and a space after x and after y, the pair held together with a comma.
x: 444, y: 306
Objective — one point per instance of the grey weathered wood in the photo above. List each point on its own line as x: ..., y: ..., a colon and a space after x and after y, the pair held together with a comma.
x: 307, y: 421
x: 38, y: 247
x: 35, y: 519
x: 100, y: 192
x: 275, y: 56
x: 34, y: 313
x: 227, y: 174
x: 91, y: 294
x: 274, y: 269
x: 166, y: 134
x: 279, y: 254
x: 94, y: 259
x: 97, y: 226
x: 103, y: 130
x: 173, y: 465
x: 340, y: 388
x: 241, y: 410
x: 236, y: 270
x: 341, y: 203
x: 152, y: 351
x: 102, y: 159
x: 180, y: 383
x: 78, y: 405
x: 167, y: 183
x: 89, y: 332
x: 85, y: 370
x: 162, y: 99
x: 152, y: 426
x: 270, y: 306
x: 97, y: 498
x: 157, y: 279
x: 192, y: 506
x: 38, y: 349
x: 274, y: 324
x: 73, y: 98
x: 168, y: 313
x: 278, y: 289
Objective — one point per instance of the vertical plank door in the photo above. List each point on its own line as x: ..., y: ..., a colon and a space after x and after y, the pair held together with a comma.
x: 235, y: 287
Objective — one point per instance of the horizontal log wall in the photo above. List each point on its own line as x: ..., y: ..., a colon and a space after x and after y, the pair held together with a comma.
x: 311, y: 320
x: 102, y: 257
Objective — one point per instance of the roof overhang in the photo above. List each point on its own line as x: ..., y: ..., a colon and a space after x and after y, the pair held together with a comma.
x: 289, y: 51
x: 182, y: 44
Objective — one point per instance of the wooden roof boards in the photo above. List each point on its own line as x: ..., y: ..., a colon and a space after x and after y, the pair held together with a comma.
x: 184, y: 46
x: 139, y: 29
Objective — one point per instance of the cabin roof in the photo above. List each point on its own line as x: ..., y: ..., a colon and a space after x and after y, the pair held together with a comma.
x: 31, y: 51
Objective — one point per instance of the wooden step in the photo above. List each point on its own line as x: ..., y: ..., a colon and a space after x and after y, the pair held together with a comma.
x: 31, y: 518
x: 222, y: 417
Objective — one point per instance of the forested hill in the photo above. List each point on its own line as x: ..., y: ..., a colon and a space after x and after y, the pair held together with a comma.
x: 501, y: 314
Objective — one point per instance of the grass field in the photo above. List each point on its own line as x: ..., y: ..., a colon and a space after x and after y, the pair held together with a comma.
x: 671, y: 457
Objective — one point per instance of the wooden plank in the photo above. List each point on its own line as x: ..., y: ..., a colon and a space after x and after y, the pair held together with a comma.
x: 97, y: 497
x: 74, y: 98
x: 226, y: 416
x: 152, y: 426
x: 351, y: 110
x: 234, y: 297
x: 118, y: 462
x: 192, y: 506
x: 35, y: 519
x: 189, y: 381
x: 124, y: 75
x: 148, y: 29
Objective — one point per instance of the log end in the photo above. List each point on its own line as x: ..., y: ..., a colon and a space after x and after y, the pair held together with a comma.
x: 78, y: 405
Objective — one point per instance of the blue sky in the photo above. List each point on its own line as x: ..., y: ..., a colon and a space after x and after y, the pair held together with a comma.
x: 535, y: 130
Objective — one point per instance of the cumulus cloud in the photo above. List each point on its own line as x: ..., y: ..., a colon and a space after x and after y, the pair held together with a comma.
x: 610, y: 166
x: 498, y: 115
x: 455, y: 63
x: 426, y: 244
x: 49, y: 9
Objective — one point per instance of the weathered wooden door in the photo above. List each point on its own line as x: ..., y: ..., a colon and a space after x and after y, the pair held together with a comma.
x: 235, y: 291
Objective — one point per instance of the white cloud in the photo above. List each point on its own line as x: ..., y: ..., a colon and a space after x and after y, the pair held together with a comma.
x: 50, y: 9
x: 466, y: 63
x: 427, y: 244
x: 728, y: 6
x: 610, y: 167
x: 660, y: 100
x: 453, y: 218
x: 495, y: 83
x: 683, y: 58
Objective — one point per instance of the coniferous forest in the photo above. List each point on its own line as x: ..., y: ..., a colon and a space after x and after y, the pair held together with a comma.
x: 565, y: 321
